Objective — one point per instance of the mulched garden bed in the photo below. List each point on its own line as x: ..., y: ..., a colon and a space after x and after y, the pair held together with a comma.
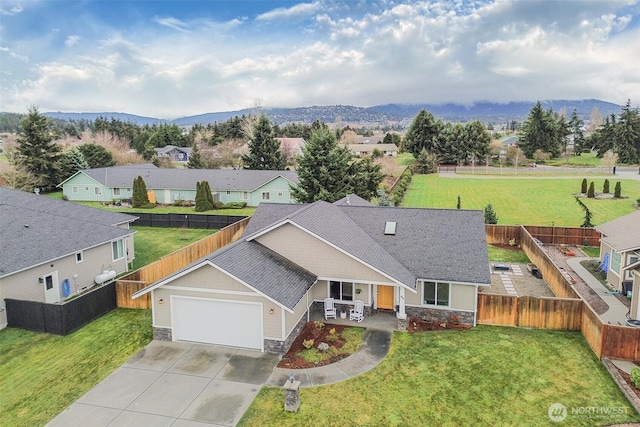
x: 293, y: 360
x: 415, y: 324
x: 627, y: 378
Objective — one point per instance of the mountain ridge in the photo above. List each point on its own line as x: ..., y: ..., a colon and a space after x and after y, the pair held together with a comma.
x: 380, y: 115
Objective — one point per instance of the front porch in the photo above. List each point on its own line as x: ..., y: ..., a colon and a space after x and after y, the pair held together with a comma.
x: 386, y: 321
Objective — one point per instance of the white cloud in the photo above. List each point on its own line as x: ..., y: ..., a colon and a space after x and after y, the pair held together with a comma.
x: 14, y: 10
x: 171, y: 22
x: 297, y: 11
x: 72, y: 40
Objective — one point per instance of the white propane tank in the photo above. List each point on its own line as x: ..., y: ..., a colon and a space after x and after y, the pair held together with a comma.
x: 105, y: 276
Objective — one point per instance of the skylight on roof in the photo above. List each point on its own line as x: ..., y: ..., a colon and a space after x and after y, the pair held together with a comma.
x: 390, y: 228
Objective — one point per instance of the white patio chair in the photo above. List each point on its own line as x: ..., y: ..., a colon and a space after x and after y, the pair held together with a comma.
x: 329, y: 308
x: 357, y: 312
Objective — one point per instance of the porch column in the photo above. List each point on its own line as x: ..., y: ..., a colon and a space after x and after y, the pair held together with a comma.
x: 401, y: 313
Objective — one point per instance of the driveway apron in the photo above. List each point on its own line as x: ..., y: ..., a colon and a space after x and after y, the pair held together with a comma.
x: 174, y: 384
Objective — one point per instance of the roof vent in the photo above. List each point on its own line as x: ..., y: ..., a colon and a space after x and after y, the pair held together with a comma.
x: 390, y: 228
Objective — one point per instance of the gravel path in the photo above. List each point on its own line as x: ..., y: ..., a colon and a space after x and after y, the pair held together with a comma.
x: 526, y: 284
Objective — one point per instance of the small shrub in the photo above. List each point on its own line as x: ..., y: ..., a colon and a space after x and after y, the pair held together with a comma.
x: 605, y: 187
x: 318, y: 324
x: 332, y: 336
x: 635, y: 376
x: 308, y: 343
x: 512, y: 241
x: 235, y: 205
x: 323, y: 346
x: 65, y: 198
x: 178, y: 202
x: 583, y: 189
x: 592, y: 191
x: 617, y: 192
x: 217, y: 204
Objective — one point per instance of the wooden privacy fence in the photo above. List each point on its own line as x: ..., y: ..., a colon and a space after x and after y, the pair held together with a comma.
x: 530, y: 312
x: 133, y: 282
x: 570, y: 312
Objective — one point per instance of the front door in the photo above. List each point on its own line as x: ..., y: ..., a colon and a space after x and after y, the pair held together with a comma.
x: 385, y: 297
x: 51, y: 288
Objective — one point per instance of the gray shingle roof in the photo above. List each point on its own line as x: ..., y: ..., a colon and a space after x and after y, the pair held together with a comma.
x: 36, y: 229
x: 285, y: 281
x: 622, y: 233
x: 158, y: 178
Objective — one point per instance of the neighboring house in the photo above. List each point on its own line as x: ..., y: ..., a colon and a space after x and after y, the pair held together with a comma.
x: 620, y: 244
x: 258, y: 291
x: 169, y: 185
x: 51, y: 250
x: 173, y: 153
x: 509, y: 140
x: 367, y: 149
x: 291, y: 147
x: 373, y: 139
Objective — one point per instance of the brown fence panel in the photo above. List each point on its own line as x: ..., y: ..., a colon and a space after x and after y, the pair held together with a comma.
x: 502, y: 233
x: 180, y: 258
x: 561, y: 313
x: 620, y: 342
x: 591, y: 328
x: 576, y: 236
x: 126, y: 288
x: 494, y: 309
x: 528, y: 312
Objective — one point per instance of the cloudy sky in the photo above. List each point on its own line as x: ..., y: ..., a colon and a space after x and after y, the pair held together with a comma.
x: 172, y: 59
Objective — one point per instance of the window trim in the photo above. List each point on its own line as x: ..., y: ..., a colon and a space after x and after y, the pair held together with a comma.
x: 341, y: 290
x: 117, y: 246
x: 280, y: 194
x: 436, y: 283
x: 116, y: 191
x: 97, y: 191
x: 74, y: 189
x: 79, y: 257
x: 244, y: 195
x: 267, y: 193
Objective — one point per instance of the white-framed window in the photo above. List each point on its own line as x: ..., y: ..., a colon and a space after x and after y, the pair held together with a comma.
x: 616, y: 258
x: 116, y: 191
x: 117, y: 249
x: 97, y: 190
x: 280, y: 193
x: 86, y: 188
x: 266, y: 195
x: 74, y: 189
x: 436, y: 293
x: 228, y: 192
x: 632, y: 260
x: 342, y: 291
x: 79, y: 257
x: 244, y: 195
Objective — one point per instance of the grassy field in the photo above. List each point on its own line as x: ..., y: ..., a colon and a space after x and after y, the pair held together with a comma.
x: 484, y: 376
x: 585, y: 159
x: 521, y: 201
x: 497, y: 254
x: 152, y: 243
x: 42, y: 374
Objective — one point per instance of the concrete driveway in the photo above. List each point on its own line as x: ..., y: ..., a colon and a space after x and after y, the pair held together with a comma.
x: 174, y: 384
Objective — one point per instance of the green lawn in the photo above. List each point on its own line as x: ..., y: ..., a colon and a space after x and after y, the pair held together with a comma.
x: 521, y: 201
x: 585, y: 159
x: 42, y: 374
x: 507, y: 255
x: 484, y: 376
x: 152, y: 243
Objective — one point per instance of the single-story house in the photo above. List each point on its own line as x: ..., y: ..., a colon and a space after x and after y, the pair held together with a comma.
x: 291, y: 146
x: 52, y: 250
x: 169, y: 185
x: 367, y: 149
x: 373, y: 139
x: 173, y: 153
x: 620, y: 251
x: 258, y: 291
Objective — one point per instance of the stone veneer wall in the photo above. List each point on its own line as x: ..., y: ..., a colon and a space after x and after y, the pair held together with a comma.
x: 162, y: 334
x: 281, y: 347
x: 429, y: 314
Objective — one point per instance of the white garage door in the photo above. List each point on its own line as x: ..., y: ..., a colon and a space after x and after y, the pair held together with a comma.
x: 232, y: 323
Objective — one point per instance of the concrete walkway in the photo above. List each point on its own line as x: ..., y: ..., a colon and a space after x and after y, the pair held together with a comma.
x: 375, y: 346
x: 624, y: 365
x: 617, y: 313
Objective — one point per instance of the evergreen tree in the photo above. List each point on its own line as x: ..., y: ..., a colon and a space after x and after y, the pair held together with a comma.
x: 264, y: 149
x: 425, y: 162
x: 71, y: 162
x: 587, y: 213
x: 37, y: 152
x: 323, y: 169
x: 617, y: 192
x: 541, y: 131
x: 459, y: 205
x: 97, y: 156
x: 583, y: 189
x: 591, y: 193
x: 365, y: 177
x: 208, y: 194
x: 140, y: 196
x: 605, y: 187
x: 422, y: 132
x: 195, y: 159
x: 627, y: 136
x: 490, y: 216
x: 575, y: 125
x: 201, y: 198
